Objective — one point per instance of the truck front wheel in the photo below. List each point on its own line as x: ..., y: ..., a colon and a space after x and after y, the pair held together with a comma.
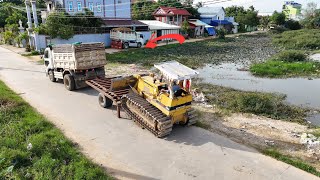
x: 69, y: 82
x: 139, y: 45
x: 104, y: 101
x: 51, y: 76
x: 125, y: 45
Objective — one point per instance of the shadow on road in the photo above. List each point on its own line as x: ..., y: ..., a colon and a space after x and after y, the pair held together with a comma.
x: 128, y: 175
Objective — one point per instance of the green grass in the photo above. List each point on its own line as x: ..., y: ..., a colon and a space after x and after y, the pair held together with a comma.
x: 275, y: 69
x: 308, y: 39
x: 296, y: 162
x: 263, y: 104
x: 52, y: 155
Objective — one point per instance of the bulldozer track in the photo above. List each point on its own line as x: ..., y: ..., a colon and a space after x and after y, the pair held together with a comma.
x: 146, y: 115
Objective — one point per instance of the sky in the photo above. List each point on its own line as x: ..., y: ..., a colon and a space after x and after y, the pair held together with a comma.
x: 264, y: 6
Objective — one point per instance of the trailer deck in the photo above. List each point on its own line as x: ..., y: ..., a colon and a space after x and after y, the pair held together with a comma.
x: 103, y: 85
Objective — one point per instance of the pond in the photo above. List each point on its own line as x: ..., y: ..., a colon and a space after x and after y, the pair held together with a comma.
x: 299, y: 91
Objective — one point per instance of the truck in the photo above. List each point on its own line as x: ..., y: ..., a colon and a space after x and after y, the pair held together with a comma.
x: 75, y: 63
x: 123, y: 38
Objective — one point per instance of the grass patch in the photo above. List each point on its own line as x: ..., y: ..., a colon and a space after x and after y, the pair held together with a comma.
x: 196, y: 54
x: 285, y: 69
x: 299, y: 39
x: 32, y: 148
x: 298, y: 163
x: 264, y: 104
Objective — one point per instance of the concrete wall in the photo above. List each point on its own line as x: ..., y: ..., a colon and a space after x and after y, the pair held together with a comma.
x: 85, y: 38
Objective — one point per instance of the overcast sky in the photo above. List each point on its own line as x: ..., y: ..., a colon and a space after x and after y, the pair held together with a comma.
x: 264, y: 6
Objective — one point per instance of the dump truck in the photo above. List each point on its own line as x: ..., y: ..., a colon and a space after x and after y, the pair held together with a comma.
x: 155, y: 102
x: 123, y: 38
x: 75, y: 63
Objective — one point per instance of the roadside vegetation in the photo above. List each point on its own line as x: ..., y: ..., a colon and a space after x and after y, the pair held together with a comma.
x: 296, y: 162
x: 263, y: 104
x: 32, y: 148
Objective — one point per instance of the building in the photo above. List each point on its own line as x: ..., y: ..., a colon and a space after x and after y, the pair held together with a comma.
x: 114, y: 14
x: 171, y: 15
x: 216, y: 16
x: 105, y: 9
x: 292, y: 10
x: 199, y: 28
x: 160, y: 28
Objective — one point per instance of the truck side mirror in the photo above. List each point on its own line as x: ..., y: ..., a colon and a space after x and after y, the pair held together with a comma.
x: 41, y: 56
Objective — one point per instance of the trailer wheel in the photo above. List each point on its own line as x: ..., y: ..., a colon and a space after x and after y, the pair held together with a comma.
x: 51, y: 76
x: 69, y: 82
x: 125, y: 45
x: 139, y: 45
x: 104, y: 101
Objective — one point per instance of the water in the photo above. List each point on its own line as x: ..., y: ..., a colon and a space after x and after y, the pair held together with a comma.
x: 299, y: 91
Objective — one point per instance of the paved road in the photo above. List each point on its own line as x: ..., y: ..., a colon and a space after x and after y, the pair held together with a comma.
x: 129, y: 152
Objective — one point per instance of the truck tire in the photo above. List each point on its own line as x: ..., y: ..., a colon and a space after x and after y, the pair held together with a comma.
x: 139, y: 45
x: 104, y: 101
x: 125, y: 45
x: 51, y: 76
x: 69, y: 82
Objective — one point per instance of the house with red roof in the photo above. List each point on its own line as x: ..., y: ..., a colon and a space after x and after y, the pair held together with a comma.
x: 171, y: 15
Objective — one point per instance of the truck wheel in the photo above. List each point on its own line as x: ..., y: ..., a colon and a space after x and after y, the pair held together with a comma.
x: 139, y: 45
x: 125, y: 45
x: 51, y: 76
x: 69, y: 82
x: 104, y: 101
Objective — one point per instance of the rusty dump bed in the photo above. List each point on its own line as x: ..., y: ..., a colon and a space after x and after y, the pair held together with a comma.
x: 103, y: 85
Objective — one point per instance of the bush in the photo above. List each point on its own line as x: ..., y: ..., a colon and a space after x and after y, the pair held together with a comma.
x: 278, y: 30
x: 33, y: 53
x: 221, y: 33
x: 292, y: 25
x: 290, y: 56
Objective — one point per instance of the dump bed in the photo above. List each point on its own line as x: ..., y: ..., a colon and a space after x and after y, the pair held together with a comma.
x: 123, y: 34
x: 79, y: 56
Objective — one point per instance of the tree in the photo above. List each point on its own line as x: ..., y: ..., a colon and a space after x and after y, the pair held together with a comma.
x: 143, y: 9
x: 244, y: 17
x: 264, y: 22
x: 185, y: 27
x: 58, y: 25
x: 311, y: 16
x: 278, y: 18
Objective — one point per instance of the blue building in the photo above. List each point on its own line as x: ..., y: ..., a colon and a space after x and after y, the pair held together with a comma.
x: 106, y: 9
x: 216, y: 16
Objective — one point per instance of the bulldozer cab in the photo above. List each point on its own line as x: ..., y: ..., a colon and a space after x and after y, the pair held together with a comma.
x: 179, y: 77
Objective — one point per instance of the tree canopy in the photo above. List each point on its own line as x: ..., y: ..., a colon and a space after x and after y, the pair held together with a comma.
x: 64, y: 26
x: 278, y: 18
x: 245, y: 17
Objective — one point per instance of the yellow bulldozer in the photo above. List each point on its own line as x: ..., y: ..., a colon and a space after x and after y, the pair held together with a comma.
x: 155, y: 102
